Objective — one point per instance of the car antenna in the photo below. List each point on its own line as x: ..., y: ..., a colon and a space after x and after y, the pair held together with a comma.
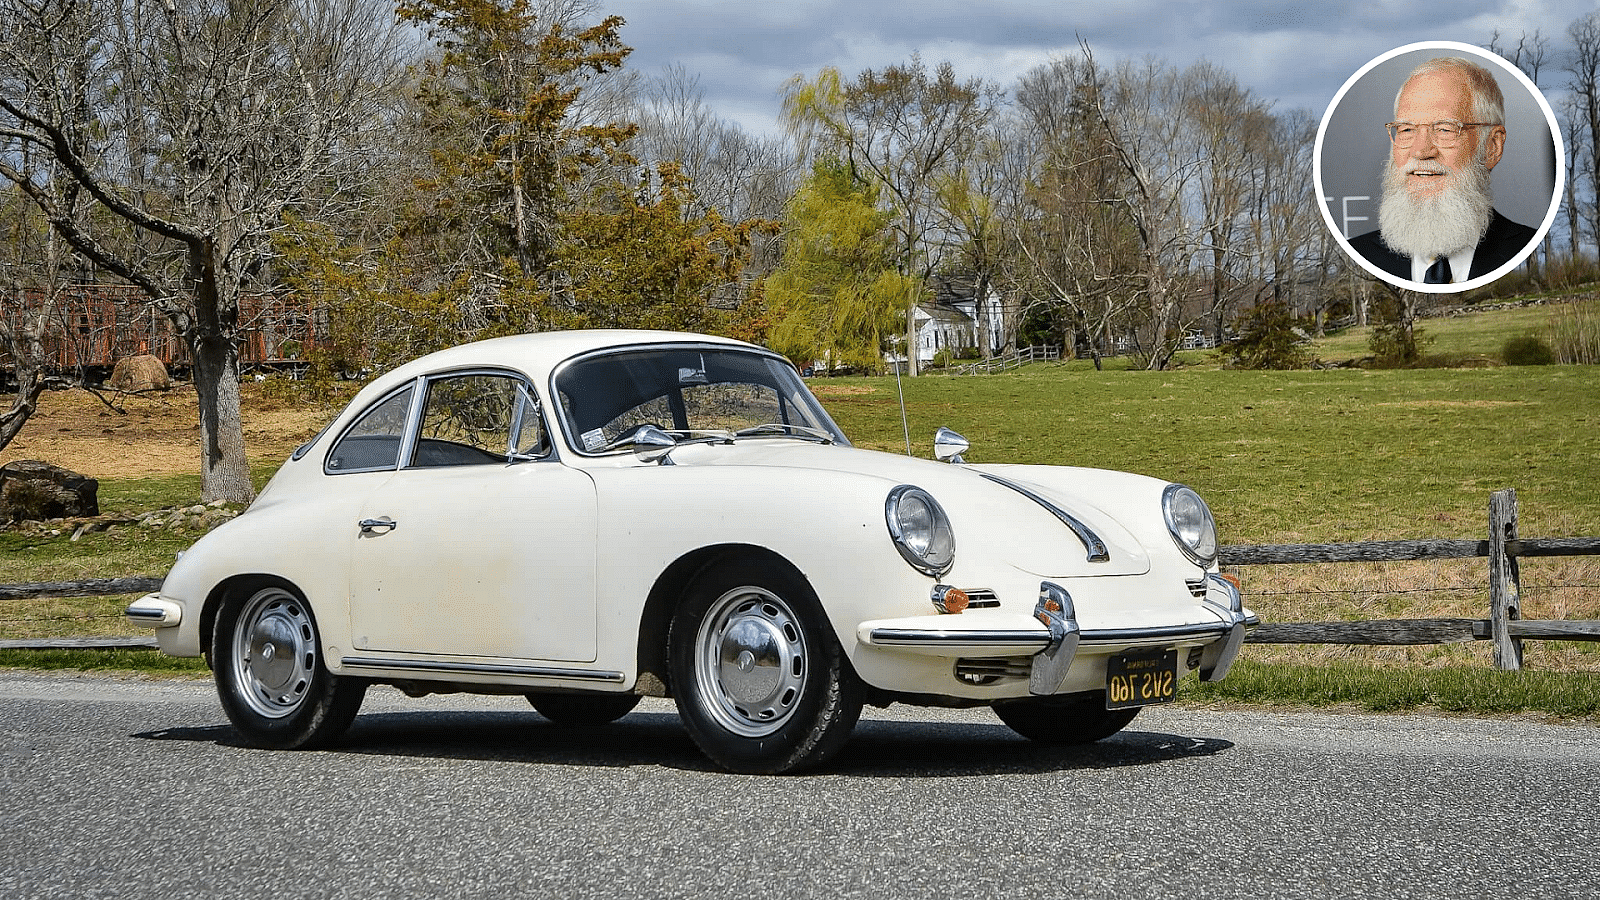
x: 900, y: 389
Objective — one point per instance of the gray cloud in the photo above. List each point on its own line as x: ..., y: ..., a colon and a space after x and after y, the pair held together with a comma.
x: 1296, y: 55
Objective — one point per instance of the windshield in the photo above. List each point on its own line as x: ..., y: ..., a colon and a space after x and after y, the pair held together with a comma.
x: 686, y: 391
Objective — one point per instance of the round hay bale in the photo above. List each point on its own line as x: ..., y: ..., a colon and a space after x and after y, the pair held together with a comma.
x: 140, y: 373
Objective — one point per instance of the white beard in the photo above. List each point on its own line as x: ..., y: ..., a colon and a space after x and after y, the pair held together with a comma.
x: 1448, y: 222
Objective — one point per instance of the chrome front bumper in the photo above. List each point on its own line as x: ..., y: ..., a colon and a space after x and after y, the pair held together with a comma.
x: 1061, y: 639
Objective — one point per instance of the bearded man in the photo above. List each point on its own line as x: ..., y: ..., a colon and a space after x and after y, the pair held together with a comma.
x: 1436, y: 217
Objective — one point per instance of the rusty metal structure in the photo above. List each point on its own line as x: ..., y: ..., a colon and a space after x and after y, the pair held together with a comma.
x: 94, y: 325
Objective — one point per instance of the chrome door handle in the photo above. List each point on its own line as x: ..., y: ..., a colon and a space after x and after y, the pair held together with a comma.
x: 377, y: 526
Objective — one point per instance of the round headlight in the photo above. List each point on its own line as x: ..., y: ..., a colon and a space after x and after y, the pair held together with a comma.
x: 920, y: 529
x: 1189, y: 520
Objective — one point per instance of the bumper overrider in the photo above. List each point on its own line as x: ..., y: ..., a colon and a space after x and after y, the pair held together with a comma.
x: 1059, y: 639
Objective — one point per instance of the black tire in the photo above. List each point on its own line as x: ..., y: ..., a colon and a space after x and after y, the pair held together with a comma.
x: 1064, y: 719
x: 760, y: 679
x: 583, y: 709
x: 267, y: 659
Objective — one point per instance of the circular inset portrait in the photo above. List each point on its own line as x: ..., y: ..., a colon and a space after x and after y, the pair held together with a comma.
x: 1439, y: 166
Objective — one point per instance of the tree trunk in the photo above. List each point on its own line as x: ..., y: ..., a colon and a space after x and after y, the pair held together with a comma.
x: 224, y: 468
x: 30, y: 385
x: 22, y: 341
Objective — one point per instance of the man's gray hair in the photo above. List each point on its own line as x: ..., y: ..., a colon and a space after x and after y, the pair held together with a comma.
x: 1488, y: 104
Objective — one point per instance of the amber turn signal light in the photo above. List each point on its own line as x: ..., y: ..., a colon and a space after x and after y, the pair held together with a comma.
x: 949, y: 599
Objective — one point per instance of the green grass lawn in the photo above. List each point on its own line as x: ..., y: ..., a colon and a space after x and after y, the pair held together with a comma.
x: 1469, y: 339
x: 1283, y: 457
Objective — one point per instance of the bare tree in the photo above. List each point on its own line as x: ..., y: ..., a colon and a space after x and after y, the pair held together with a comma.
x: 29, y: 300
x: 1139, y: 108
x: 1233, y: 131
x: 1286, y: 226
x: 168, y: 140
x: 1529, y: 55
x: 23, y: 319
x: 1074, y: 249
x: 974, y: 200
x: 1583, y: 66
x: 742, y: 176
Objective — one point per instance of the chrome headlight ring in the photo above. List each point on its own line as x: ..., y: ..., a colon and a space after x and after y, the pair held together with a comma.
x: 920, y: 529
x: 1190, y: 523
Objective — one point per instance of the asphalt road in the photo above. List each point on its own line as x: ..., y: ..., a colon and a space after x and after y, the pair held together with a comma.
x: 129, y: 788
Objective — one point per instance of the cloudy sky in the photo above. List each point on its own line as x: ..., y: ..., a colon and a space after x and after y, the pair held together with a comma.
x: 1295, y: 55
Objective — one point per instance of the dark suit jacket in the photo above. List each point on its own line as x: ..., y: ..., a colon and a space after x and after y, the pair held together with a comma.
x: 1504, y: 240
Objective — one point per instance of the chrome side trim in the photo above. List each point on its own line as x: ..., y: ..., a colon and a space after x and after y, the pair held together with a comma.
x: 363, y: 662
x: 1091, y: 541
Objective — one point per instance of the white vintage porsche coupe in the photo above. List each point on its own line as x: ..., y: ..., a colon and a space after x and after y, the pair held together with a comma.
x: 586, y: 518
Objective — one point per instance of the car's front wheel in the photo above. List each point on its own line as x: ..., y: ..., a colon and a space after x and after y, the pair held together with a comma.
x: 583, y: 709
x: 1065, y: 719
x: 761, y: 681
x: 268, y: 664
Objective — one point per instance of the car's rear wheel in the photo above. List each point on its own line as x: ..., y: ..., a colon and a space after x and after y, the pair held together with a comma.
x: 583, y: 709
x: 274, y: 687
x: 760, y: 679
x: 1065, y: 719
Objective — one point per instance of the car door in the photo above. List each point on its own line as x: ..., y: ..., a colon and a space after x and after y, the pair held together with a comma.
x: 481, y: 543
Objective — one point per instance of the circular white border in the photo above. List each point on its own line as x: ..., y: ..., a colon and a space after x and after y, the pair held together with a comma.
x: 1555, y: 196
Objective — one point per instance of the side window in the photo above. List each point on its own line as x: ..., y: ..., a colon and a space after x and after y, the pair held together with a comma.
x: 373, y: 443
x: 478, y: 419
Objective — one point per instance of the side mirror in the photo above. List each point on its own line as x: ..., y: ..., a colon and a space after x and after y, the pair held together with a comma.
x: 651, y: 444
x: 948, y: 446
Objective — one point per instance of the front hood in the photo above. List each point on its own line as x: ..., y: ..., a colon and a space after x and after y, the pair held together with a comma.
x: 992, y: 521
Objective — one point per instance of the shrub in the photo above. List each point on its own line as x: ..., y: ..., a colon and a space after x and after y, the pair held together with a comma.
x: 1527, y: 350
x: 1267, y: 339
x: 1396, y: 341
x: 1575, y: 332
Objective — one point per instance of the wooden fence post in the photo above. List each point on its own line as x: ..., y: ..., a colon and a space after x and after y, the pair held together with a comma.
x: 1505, y: 598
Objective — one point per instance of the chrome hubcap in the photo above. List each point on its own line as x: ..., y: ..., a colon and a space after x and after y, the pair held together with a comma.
x: 274, y: 653
x: 750, y: 661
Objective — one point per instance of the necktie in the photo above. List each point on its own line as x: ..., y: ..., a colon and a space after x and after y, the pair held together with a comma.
x: 1438, y: 273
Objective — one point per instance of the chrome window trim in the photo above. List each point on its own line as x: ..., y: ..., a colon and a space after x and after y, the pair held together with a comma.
x: 569, y: 432
x: 408, y: 437
x: 1092, y: 543
x: 523, y: 383
x: 413, y: 410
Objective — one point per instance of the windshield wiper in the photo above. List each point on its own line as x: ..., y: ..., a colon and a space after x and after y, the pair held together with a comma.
x: 782, y: 428
x: 631, y: 437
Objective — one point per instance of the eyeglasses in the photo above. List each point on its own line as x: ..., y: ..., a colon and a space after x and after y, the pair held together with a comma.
x: 1446, y: 133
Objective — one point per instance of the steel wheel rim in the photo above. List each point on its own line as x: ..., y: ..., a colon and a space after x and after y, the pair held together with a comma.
x: 274, y: 653
x: 750, y: 661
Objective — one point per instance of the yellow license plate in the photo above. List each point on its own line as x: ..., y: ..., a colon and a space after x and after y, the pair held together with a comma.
x: 1142, y: 679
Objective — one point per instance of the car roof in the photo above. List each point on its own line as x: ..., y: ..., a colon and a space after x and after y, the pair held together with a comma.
x: 538, y: 354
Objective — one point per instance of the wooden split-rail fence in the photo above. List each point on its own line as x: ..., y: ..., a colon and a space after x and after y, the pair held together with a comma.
x: 1504, y: 626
